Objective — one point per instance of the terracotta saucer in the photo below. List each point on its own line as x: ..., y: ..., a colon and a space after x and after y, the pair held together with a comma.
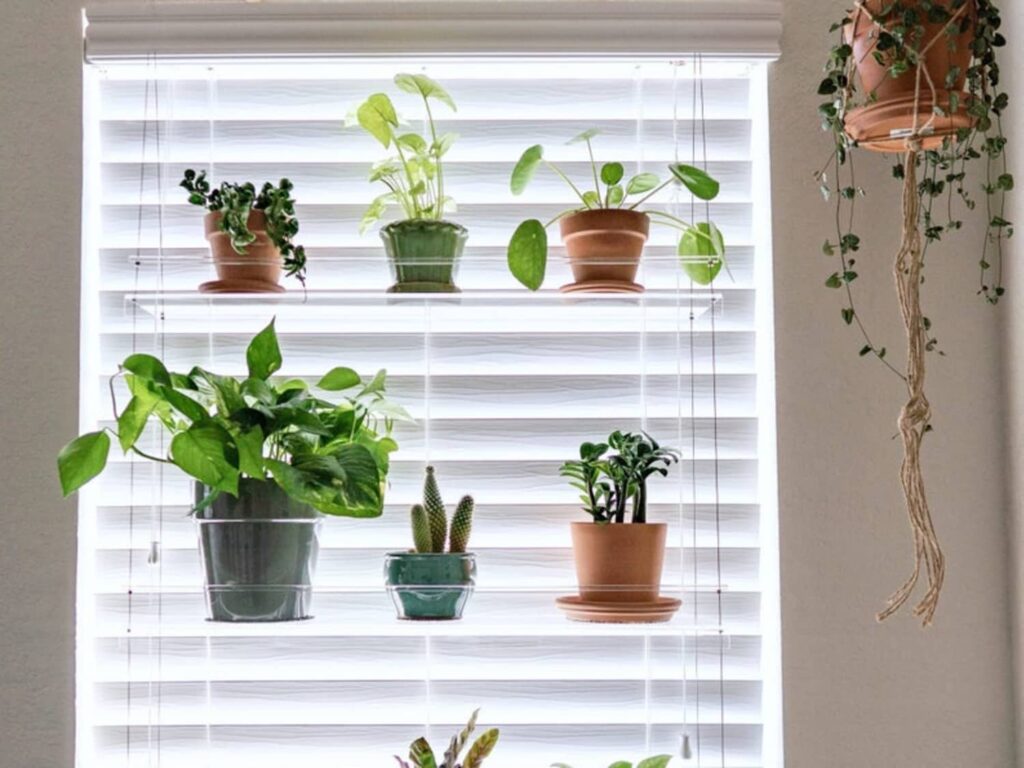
x: 602, y: 286
x: 240, y: 286
x: 656, y: 611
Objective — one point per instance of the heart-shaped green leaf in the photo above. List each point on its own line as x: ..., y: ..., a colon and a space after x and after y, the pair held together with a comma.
x: 425, y: 87
x: 377, y: 116
x: 264, y: 355
x: 207, y: 452
x: 528, y: 254
x: 612, y: 173
x: 655, y: 762
x: 81, y: 460
x: 338, y: 379
x: 147, y: 367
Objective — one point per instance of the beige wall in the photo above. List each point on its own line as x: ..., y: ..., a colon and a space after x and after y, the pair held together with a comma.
x: 856, y: 694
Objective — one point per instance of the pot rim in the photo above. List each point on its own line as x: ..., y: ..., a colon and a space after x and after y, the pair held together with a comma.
x: 423, y: 224
x: 428, y: 555
x: 588, y: 523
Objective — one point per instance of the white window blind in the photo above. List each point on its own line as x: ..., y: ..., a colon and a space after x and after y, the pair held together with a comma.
x: 503, y: 385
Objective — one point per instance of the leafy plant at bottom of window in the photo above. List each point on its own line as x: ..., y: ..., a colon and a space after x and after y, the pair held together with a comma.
x: 612, y: 476
x: 659, y: 761
x: 701, y: 246
x: 414, y: 176
x: 235, y: 201
x: 421, y: 754
x: 332, y: 456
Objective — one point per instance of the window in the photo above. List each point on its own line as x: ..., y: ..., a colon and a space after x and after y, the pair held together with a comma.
x: 503, y: 384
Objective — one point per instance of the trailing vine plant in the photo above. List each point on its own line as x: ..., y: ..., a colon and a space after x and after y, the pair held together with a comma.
x: 934, y: 167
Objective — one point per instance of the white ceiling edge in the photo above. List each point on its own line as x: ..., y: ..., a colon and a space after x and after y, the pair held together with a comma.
x: 492, y: 28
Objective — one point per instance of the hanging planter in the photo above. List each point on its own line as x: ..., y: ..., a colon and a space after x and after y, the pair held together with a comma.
x: 604, y: 236
x: 427, y: 582
x: 250, y: 234
x: 619, y: 555
x: 423, y: 249
x: 269, y: 457
x: 918, y: 78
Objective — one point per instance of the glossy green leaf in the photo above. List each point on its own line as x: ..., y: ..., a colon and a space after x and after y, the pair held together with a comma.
x: 701, y: 251
x: 81, y: 460
x: 147, y: 367
x: 377, y: 117
x: 338, y: 379
x: 642, y: 182
x: 528, y: 254
x: 525, y: 168
x: 612, y: 173
x: 421, y: 754
x: 132, y: 420
x: 250, y: 452
x: 591, y: 199
x: 616, y: 194
x: 184, y: 404
x: 695, y: 180
x: 207, y: 452
x: 655, y: 762
x: 376, y: 385
x: 412, y: 141
x: 481, y: 748
x: 264, y: 355
x: 425, y: 87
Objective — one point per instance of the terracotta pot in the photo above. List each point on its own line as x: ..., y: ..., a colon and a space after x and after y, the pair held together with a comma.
x: 604, y: 248
x: 884, y: 125
x: 259, y: 268
x: 619, y: 562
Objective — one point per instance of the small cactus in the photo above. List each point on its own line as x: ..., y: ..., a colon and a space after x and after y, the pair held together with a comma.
x: 421, y: 537
x: 436, y: 514
x: 462, y: 525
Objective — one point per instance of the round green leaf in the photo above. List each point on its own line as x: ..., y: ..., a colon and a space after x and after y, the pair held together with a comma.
x: 615, y: 195
x: 528, y: 254
x: 612, y: 173
x: 642, y: 182
x: 81, y: 460
x: 695, y: 180
x: 338, y: 379
x: 702, y: 251
x: 587, y: 135
x: 525, y: 168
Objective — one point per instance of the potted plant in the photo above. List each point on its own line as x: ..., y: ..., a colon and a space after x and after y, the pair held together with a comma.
x: 426, y: 582
x: 422, y: 755
x: 268, y: 457
x: 604, y: 235
x: 918, y: 78
x: 660, y: 761
x: 250, y: 234
x: 423, y: 249
x: 619, y: 555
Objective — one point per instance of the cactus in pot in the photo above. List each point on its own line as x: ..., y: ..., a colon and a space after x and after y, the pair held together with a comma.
x: 427, y: 582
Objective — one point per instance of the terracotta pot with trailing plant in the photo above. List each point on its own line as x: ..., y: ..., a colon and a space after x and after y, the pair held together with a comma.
x: 250, y: 234
x: 604, y: 236
x: 619, y: 554
x: 268, y: 459
x: 423, y: 249
x: 920, y: 79
x: 429, y: 582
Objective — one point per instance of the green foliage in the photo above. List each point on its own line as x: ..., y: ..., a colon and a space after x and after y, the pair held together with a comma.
x: 900, y: 38
x: 332, y: 456
x: 430, y: 520
x: 414, y: 175
x: 421, y: 754
x: 612, y: 476
x: 660, y: 761
x: 528, y: 248
x: 462, y: 525
x: 235, y: 201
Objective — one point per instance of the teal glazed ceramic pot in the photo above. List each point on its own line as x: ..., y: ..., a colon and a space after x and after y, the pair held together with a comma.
x: 424, y: 255
x: 259, y: 553
x: 430, y: 586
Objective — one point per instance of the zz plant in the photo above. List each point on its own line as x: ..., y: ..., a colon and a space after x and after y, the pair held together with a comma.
x: 701, y: 245
x: 331, y: 456
x: 235, y: 201
x: 612, y: 476
x: 414, y: 175
x: 422, y: 755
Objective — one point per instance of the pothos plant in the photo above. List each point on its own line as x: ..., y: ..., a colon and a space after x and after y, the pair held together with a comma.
x: 235, y: 201
x: 331, y: 456
x: 422, y: 755
x: 612, y: 476
x: 414, y: 175
x: 939, y: 182
x: 701, y: 245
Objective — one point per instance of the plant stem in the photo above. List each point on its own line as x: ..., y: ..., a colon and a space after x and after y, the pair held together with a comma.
x: 593, y: 168
x: 568, y: 181
x: 439, y: 203
x: 651, y: 194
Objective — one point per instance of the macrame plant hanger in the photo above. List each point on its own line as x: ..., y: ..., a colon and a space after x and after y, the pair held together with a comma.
x: 915, y: 416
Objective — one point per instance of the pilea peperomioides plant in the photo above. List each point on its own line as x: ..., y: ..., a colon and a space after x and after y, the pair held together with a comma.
x: 919, y: 79
x: 422, y: 755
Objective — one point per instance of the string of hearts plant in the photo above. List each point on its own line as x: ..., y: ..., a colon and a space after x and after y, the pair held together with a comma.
x: 919, y: 79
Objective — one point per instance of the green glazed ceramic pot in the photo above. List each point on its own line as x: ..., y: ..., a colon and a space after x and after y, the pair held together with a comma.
x: 424, y: 255
x: 430, y: 586
x: 259, y: 553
